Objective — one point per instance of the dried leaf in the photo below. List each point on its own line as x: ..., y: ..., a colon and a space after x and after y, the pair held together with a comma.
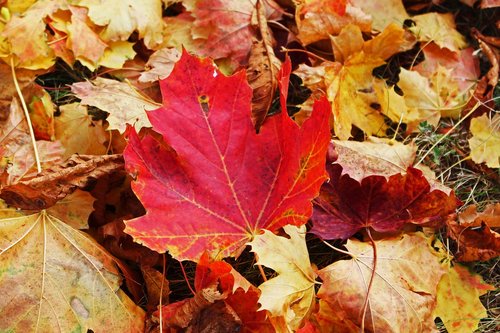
x: 55, y: 183
x: 485, y: 141
x: 262, y: 70
x: 74, y: 209
x: 458, y: 303
x: 122, y: 101
x: 160, y: 65
x: 440, y: 29
x: 473, y: 234
x: 290, y: 294
x: 63, y: 280
x: 403, y: 291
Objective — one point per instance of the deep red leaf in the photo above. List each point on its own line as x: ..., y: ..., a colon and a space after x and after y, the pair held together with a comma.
x: 346, y: 206
x: 215, y: 183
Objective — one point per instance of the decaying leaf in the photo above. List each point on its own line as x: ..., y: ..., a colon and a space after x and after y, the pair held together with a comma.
x: 458, y: 303
x: 57, y: 279
x: 215, y: 180
x: 485, y: 141
x: 124, y: 103
x: 263, y: 67
x: 54, y: 184
x: 473, y: 234
x: 219, y: 304
x: 157, y: 286
x: 403, y: 291
x: 290, y: 294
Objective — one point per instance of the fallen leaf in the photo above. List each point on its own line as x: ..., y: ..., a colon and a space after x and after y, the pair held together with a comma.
x: 385, y: 204
x: 55, y: 183
x: 256, y: 181
x: 383, y: 12
x: 218, y: 305
x: 78, y: 133
x: 473, y: 234
x: 403, y: 290
x: 160, y: 65
x: 485, y: 141
x: 121, y: 100
x: 458, y: 303
x: 62, y: 280
x: 373, y: 157
x: 263, y: 68
x: 318, y: 19
x: 290, y: 294
x: 157, y: 286
x: 440, y: 29
x: 74, y: 209
x: 121, y: 18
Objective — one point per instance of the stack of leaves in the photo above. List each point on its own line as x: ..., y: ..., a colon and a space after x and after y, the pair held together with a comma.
x: 153, y: 159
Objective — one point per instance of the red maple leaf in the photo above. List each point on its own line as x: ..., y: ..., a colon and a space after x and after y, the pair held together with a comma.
x: 214, y: 183
x: 346, y: 206
x: 221, y: 302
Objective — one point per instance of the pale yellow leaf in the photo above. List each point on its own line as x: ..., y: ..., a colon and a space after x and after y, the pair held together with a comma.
x: 440, y: 29
x: 57, y: 279
x: 290, y: 294
x: 485, y: 141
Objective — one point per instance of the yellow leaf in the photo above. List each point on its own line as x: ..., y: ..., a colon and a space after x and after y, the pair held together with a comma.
x: 124, y: 103
x: 383, y: 12
x: 403, y: 292
x: 74, y: 209
x: 78, y: 133
x: 117, y: 53
x: 440, y: 29
x: 458, y: 303
x: 485, y: 141
x: 290, y: 294
x: 122, y: 17
x: 54, y: 278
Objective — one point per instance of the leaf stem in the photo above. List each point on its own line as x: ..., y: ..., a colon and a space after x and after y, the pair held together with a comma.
x: 365, y: 305
x: 161, y: 292
x: 27, y: 115
x: 186, y: 278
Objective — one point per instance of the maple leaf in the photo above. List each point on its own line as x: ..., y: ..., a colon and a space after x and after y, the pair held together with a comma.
x: 383, y: 203
x: 160, y: 65
x: 124, y: 103
x: 78, y: 133
x: 318, y: 19
x: 219, y: 182
x: 458, y: 303
x: 351, y: 87
x: 26, y: 38
x: 473, y: 234
x: 485, y: 141
x: 440, y: 29
x: 403, y: 290
x: 291, y: 294
x: 383, y: 12
x: 53, y: 184
x: 122, y: 18
x: 74, y: 209
x: 220, y: 304
x: 63, y: 280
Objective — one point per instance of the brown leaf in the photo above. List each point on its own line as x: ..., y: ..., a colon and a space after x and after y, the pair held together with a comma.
x: 476, y: 241
x: 153, y: 280
x: 54, y: 184
x: 263, y: 67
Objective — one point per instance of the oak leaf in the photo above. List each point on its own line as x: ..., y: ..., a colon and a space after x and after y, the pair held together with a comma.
x: 458, y: 303
x: 485, y: 141
x: 473, y: 234
x: 383, y: 203
x: 219, y: 182
x: 291, y: 294
x: 62, y: 281
x: 403, y: 290
x: 124, y: 103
